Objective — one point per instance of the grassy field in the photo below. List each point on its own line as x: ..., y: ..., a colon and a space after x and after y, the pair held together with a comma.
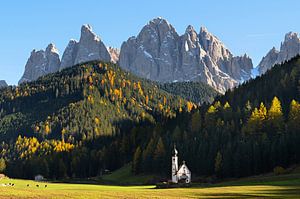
x: 124, y: 176
x: 284, y: 186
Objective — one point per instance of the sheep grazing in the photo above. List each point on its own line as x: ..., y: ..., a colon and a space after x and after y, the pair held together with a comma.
x: 12, y: 184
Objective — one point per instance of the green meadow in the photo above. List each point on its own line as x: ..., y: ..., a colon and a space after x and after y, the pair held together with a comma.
x: 283, y: 186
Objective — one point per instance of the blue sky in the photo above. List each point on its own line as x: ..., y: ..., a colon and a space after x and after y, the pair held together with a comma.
x: 251, y: 27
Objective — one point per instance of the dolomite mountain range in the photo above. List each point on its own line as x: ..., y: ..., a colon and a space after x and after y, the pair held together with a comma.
x: 160, y: 54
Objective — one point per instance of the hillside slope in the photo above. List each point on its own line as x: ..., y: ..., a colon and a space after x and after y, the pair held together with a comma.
x: 95, y: 117
x: 250, y: 130
x: 74, y: 98
x: 196, y: 92
x: 85, y: 112
x: 282, y: 81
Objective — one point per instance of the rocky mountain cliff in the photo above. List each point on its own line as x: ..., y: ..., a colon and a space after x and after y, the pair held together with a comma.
x: 114, y: 54
x: 159, y: 53
x: 41, y: 63
x: 289, y: 48
x: 3, y: 84
x: 89, y: 48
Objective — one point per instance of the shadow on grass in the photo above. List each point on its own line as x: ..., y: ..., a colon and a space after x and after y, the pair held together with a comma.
x: 286, y: 192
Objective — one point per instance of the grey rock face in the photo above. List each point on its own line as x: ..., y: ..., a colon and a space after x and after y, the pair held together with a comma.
x: 3, y: 84
x: 268, y: 61
x: 288, y: 49
x: 153, y: 53
x: 89, y: 48
x: 160, y: 54
x: 41, y: 63
x: 69, y: 55
x: 114, y: 54
x: 47, y: 61
x: 238, y: 68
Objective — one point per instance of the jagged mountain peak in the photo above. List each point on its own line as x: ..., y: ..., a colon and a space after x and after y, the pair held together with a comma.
x: 268, y: 60
x: 69, y: 54
x: 36, y: 51
x: 205, y: 34
x: 88, y: 48
x: 86, y: 27
x: 52, y: 48
x: 213, y: 46
x: 289, y: 48
x: 158, y: 21
x: 273, y: 50
x: 291, y: 36
x: 159, y: 53
x: 203, y: 29
x: 40, y: 63
x: 87, y: 33
x: 246, y: 56
x: 189, y: 29
x: 191, y: 34
x: 159, y: 25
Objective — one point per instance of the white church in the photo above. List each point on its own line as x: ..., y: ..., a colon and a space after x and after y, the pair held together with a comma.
x: 183, y: 174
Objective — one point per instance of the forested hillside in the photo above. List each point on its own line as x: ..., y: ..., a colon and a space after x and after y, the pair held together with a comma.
x: 196, y: 92
x: 93, y: 117
x: 79, y: 121
x: 250, y: 130
x: 281, y: 81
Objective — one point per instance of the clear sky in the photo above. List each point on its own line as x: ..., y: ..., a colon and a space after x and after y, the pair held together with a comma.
x: 251, y: 27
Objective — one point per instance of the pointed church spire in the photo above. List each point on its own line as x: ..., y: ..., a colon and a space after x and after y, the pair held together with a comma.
x: 175, y: 150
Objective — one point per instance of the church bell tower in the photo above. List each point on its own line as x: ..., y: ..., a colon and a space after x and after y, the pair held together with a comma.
x: 174, y: 166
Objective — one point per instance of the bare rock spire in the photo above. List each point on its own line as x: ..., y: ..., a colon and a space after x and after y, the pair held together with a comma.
x: 41, y: 63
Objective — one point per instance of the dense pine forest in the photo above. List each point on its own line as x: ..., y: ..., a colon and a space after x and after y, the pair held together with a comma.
x: 196, y: 92
x: 79, y: 122
x: 92, y: 117
x: 251, y: 130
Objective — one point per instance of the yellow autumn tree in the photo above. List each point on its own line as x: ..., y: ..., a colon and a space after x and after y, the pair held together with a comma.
x: 217, y: 105
x: 255, y: 122
x: 226, y: 106
x: 47, y: 128
x: 189, y: 106
x: 211, y: 109
x: 294, y: 116
x: 275, y: 115
x: 210, y: 117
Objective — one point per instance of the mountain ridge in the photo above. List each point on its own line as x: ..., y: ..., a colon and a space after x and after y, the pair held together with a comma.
x: 159, y: 53
x: 190, y: 57
x: 289, y: 48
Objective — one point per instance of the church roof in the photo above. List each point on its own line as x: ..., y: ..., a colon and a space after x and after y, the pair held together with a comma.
x: 182, y: 168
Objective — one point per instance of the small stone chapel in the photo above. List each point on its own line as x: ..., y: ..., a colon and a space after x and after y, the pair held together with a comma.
x: 181, y: 175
